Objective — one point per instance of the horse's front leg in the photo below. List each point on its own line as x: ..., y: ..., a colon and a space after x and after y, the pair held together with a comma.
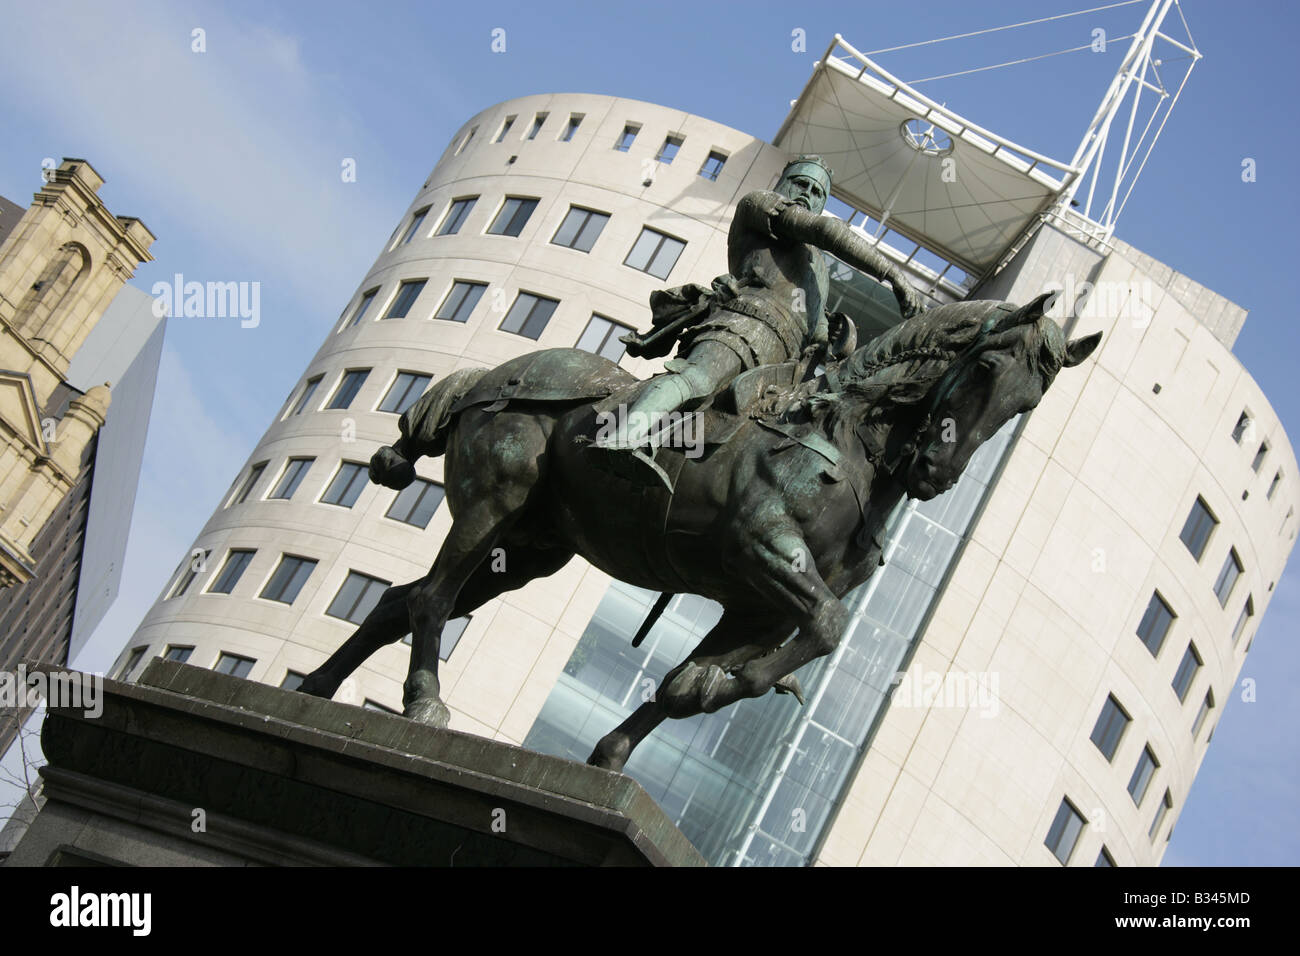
x: 737, y: 637
x: 782, y: 563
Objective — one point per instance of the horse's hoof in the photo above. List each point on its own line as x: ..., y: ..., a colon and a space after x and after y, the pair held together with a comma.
x: 317, y: 686
x: 428, y: 710
x: 693, y: 690
x: 789, y: 684
x: 611, y: 752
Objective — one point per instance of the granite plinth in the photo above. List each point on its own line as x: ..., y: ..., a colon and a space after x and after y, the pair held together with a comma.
x: 191, y: 767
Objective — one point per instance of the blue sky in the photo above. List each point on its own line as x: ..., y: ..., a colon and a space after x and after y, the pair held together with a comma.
x: 232, y: 157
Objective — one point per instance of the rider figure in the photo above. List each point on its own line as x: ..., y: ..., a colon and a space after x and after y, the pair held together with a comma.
x: 759, y: 313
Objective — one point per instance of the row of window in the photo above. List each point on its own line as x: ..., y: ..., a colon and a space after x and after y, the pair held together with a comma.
x: 654, y: 252
x: 623, y: 142
x: 528, y: 316
x: 405, y: 388
x: 1197, y: 529
x: 1068, y: 825
x: 1244, y: 429
x: 237, y: 665
x: 355, y: 599
x: 413, y: 505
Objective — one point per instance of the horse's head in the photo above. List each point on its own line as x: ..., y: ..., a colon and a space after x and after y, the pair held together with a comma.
x: 1002, y: 372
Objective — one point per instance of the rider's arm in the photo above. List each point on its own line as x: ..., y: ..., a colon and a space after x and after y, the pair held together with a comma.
x: 787, y: 220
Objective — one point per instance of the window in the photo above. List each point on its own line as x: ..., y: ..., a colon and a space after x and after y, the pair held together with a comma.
x: 362, y: 306
x: 654, y: 253
x: 505, y: 128
x: 1207, y: 705
x: 1272, y: 485
x: 1155, y: 623
x: 536, y: 128
x: 465, y: 142
x: 357, y: 598
x: 234, y: 665
x: 416, y: 221
x: 308, y: 391
x: 416, y: 503
x: 294, y: 472
x: 197, y: 564
x: 1259, y: 457
x: 292, y: 680
x: 1110, y: 727
x: 1232, y: 569
x: 626, y: 138
x: 132, y: 662
x: 1247, y: 612
x: 1186, y: 673
x: 1243, y: 425
x: 512, y: 218
x: 236, y: 562
x: 457, y: 213
x: 580, y: 229
x: 1166, y: 805
x: 1104, y: 858
x: 246, y: 488
x: 372, y: 705
x: 178, y: 654
x: 348, y: 483
x: 1142, y: 774
x: 1064, y: 834
x: 288, y: 579
x: 601, y: 336
x: 460, y: 301
x: 529, y: 315
x: 668, y: 151
x: 406, y: 388
x: 1196, y: 530
x: 575, y: 120
x: 349, y: 385
x: 713, y: 165
x: 451, y: 635
x: 407, y: 293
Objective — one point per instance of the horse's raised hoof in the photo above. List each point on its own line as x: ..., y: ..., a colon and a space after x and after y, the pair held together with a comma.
x: 611, y: 752
x: 789, y: 684
x: 428, y: 710
x: 693, y: 690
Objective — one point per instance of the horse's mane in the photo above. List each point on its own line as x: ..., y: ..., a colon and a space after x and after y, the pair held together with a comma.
x: 901, y: 367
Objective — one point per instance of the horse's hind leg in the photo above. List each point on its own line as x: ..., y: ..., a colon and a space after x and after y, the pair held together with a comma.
x: 390, y: 620
x: 387, y: 622
x: 736, y: 638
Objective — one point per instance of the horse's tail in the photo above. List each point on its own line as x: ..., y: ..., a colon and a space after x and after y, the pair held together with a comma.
x: 424, y: 427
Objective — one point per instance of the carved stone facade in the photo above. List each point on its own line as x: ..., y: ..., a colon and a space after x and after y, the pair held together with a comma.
x: 60, y: 267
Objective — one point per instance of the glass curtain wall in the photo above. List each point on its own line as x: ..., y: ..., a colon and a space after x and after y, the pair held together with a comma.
x: 754, y: 784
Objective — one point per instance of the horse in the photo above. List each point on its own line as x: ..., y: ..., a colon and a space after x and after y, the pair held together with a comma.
x: 777, y: 523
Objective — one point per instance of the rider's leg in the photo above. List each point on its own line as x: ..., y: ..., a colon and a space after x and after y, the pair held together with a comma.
x: 709, y: 366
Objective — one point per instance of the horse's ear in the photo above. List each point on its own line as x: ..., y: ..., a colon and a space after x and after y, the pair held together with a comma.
x: 1035, y: 309
x: 1079, y: 349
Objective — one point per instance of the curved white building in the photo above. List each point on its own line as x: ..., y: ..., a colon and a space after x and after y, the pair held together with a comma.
x: 1057, y: 633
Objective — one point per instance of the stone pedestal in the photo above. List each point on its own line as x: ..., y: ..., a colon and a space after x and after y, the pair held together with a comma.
x: 189, y: 767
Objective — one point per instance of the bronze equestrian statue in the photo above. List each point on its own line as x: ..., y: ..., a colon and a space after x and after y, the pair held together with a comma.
x: 779, y: 518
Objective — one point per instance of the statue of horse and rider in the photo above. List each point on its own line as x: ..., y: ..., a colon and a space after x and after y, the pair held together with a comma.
x: 778, y: 515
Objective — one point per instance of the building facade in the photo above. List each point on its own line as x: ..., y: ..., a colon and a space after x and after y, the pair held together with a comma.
x: 1032, y: 677
x: 64, y: 312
